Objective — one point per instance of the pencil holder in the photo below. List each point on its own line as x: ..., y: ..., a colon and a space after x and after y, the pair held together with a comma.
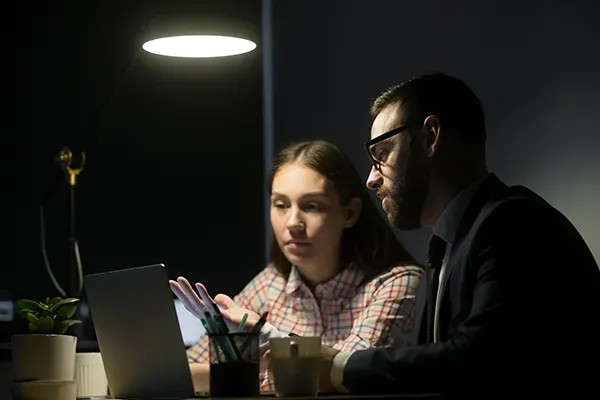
x: 234, y: 365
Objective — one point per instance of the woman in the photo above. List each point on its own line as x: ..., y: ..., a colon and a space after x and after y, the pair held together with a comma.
x: 336, y: 270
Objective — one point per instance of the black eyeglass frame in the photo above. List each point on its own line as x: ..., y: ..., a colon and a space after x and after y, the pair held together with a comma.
x: 369, y: 143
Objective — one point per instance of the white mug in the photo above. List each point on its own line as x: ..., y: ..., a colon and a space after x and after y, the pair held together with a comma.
x: 295, y: 365
x: 90, y: 375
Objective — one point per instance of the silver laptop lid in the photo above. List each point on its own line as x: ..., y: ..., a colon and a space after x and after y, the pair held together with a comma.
x: 138, y: 333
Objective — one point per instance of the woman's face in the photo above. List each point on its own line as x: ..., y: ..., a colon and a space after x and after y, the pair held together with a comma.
x: 307, y: 217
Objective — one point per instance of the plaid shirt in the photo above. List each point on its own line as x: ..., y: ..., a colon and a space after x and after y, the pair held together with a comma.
x: 347, y: 312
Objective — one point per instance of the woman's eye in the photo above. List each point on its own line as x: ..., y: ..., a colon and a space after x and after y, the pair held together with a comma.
x: 278, y: 205
x: 312, y: 207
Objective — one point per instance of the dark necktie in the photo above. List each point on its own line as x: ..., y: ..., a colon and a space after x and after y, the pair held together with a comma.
x: 437, y: 250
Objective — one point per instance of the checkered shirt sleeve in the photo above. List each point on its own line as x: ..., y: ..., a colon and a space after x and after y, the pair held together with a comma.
x: 387, y: 304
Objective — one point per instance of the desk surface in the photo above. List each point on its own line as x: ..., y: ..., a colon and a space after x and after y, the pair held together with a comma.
x: 324, y: 397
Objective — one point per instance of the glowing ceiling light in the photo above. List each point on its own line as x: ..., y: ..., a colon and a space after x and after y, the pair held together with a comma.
x: 199, y: 46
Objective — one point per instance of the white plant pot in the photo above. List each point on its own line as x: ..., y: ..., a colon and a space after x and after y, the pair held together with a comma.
x: 90, y: 375
x: 43, y: 357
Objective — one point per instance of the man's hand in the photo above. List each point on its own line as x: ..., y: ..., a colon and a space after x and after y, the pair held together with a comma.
x: 326, y: 361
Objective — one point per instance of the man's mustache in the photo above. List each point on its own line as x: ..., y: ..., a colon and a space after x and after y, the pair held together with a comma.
x: 382, y: 192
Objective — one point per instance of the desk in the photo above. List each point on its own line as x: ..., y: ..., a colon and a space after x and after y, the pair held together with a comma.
x: 327, y: 397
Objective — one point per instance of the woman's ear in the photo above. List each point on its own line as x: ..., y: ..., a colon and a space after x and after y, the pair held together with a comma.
x: 353, y: 211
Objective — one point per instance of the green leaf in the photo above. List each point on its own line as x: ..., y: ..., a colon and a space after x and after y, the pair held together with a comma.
x: 31, y: 317
x: 25, y: 304
x: 53, y: 301
x: 62, y: 326
x: 63, y: 302
x: 66, y: 311
x: 45, y: 325
x: 33, y: 327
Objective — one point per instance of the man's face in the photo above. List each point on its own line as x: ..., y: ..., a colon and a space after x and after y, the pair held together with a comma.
x: 401, y: 178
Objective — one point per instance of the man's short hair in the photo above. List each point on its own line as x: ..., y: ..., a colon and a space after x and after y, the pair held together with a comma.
x: 457, y: 107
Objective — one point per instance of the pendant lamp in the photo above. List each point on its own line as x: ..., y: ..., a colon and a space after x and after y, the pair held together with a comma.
x: 202, y: 29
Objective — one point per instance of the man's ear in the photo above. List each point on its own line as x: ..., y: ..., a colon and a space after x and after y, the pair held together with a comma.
x: 432, y: 129
x: 353, y: 211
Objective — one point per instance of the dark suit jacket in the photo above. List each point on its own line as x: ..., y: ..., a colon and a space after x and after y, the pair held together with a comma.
x: 520, y: 310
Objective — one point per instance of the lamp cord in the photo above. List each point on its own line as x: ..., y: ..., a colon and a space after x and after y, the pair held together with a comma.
x: 101, y: 110
x: 59, y: 288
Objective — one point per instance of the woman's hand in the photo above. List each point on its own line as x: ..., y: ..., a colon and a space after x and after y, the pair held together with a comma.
x: 234, y: 313
x: 264, y: 352
x: 198, y: 303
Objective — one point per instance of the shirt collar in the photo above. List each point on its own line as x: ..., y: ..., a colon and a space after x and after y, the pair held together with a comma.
x: 342, y: 285
x: 448, y: 222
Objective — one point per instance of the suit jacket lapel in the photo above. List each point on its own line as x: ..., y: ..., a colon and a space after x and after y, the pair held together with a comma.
x: 491, y: 187
x: 420, y: 311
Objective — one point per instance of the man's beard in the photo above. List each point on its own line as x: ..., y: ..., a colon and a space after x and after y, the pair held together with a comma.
x: 406, y: 197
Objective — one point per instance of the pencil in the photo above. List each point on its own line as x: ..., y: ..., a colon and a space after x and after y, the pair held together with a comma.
x: 241, y: 325
x: 260, y: 323
x: 212, y: 339
x: 218, y: 337
x: 255, y: 331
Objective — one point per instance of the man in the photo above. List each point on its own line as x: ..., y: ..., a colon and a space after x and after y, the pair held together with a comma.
x: 512, y: 305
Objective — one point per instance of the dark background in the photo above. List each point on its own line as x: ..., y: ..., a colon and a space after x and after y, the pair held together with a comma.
x: 174, y: 170
x: 534, y: 64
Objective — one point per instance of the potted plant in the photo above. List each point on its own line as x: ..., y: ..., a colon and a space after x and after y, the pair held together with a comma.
x: 47, y: 352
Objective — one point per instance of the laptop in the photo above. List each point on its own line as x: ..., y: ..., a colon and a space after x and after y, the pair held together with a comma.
x: 139, y: 334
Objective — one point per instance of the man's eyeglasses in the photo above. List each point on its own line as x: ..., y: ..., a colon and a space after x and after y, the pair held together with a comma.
x: 378, y: 151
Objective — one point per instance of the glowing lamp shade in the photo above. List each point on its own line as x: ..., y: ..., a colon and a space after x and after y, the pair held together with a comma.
x: 199, y: 46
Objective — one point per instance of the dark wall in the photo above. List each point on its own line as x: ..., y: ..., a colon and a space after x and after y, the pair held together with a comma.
x: 534, y: 65
x: 174, y: 170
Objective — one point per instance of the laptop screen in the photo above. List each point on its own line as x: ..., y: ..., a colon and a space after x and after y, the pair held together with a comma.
x: 191, y: 327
